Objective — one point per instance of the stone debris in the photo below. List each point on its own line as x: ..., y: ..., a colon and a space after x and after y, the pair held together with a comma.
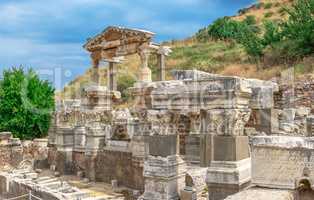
x: 21, y: 181
x: 263, y: 194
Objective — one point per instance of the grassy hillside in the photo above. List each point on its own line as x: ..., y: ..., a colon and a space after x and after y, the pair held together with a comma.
x: 215, y: 56
x: 265, y: 9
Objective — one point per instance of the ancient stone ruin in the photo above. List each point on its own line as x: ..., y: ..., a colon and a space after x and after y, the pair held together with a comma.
x: 197, y: 136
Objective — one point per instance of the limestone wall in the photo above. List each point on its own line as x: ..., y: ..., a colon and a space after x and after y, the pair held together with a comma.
x: 298, y: 94
x: 13, y: 152
x: 120, y: 166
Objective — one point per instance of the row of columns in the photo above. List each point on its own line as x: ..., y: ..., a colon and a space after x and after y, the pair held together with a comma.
x: 144, y: 71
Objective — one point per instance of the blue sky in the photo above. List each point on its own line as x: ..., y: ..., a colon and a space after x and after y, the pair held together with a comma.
x: 48, y: 35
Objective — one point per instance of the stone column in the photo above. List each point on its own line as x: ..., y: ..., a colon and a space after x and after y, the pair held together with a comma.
x: 164, y: 170
x: 145, y: 73
x: 112, y: 82
x: 162, y: 52
x: 161, y: 65
x: 95, y: 71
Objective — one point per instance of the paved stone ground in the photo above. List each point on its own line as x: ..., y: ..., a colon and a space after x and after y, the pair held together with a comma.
x: 262, y: 194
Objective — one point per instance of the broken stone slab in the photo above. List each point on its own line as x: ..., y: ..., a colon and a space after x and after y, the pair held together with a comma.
x: 192, y: 75
x: 288, y: 114
x: 262, y: 91
x: 215, y: 92
x: 197, y: 178
x: 263, y: 194
x: 303, y: 111
x: 278, y: 161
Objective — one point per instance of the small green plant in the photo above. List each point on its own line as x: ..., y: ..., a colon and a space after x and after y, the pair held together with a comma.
x: 282, y: 11
x: 268, y: 5
x: 259, y: 5
x: 250, y: 20
x: 268, y: 14
x: 124, y: 82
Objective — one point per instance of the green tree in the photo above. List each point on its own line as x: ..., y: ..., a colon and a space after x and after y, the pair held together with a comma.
x: 26, y: 104
x: 252, y: 43
x: 300, y: 27
x: 272, y: 33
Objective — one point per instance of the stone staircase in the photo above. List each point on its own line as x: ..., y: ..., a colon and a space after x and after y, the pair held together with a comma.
x: 19, y: 182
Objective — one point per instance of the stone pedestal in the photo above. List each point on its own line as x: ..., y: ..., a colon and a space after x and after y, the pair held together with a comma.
x: 230, y: 170
x: 164, y: 170
x: 188, y: 194
x: 97, y: 98
x: 145, y: 74
x: 64, y: 145
x: 164, y: 177
x: 225, y: 178
x: 95, y: 141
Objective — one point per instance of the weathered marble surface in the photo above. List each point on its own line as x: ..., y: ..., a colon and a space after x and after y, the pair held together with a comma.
x: 262, y: 194
x: 278, y: 161
x: 164, y: 177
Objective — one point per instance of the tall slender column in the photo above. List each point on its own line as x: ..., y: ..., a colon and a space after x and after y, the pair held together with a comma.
x: 95, y: 71
x: 112, y: 82
x: 161, y: 65
x: 145, y: 73
x: 162, y: 52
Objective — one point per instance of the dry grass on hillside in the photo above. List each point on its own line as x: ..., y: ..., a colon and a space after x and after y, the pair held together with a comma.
x: 266, y: 9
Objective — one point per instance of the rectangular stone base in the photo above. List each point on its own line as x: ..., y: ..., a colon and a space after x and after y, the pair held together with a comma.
x: 227, y: 177
x: 221, y: 191
x: 164, y: 177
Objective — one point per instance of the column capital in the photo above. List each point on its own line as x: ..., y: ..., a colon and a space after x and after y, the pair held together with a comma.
x: 164, y: 50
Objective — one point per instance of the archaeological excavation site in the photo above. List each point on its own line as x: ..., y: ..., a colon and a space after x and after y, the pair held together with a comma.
x: 195, y: 136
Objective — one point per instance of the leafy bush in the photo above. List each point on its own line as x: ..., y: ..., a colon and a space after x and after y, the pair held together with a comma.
x: 202, y: 35
x: 252, y: 43
x: 268, y: 5
x: 223, y: 28
x: 226, y: 28
x: 272, y: 33
x: 259, y: 5
x: 124, y: 82
x: 268, y: 14
x: 250, y: 20
x: 26, y: 104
